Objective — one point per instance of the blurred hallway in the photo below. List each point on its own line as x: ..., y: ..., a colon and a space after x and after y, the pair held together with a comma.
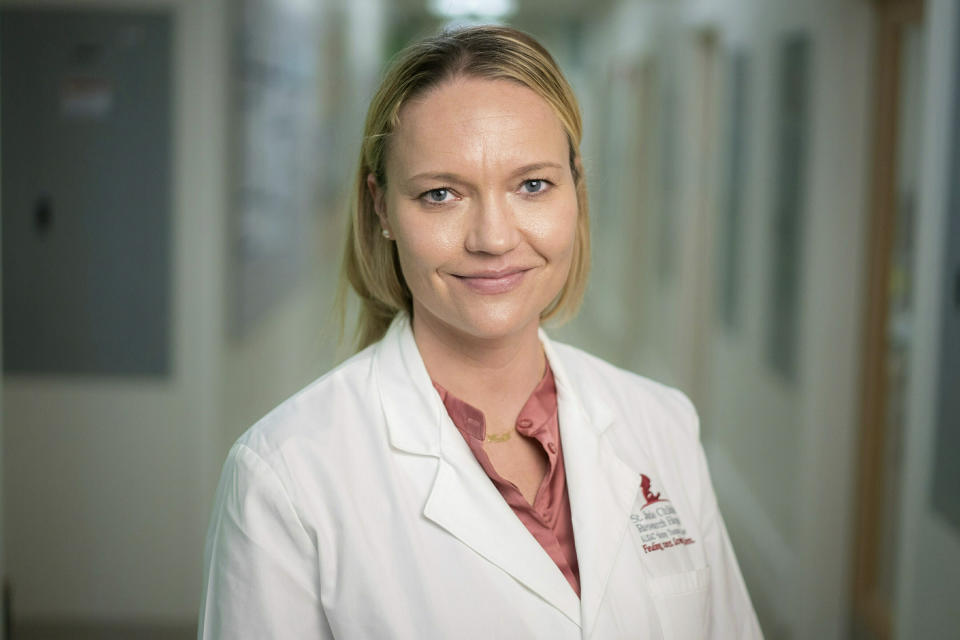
x: 775, y: 202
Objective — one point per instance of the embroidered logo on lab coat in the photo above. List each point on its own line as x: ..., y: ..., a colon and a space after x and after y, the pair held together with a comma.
x: 657, y: 521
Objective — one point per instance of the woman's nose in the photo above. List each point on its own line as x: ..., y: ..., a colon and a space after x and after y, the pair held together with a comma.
x: 493, y: 227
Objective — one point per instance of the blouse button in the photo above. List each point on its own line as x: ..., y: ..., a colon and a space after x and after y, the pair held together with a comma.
x: 552, y: 447
x: 525, y: 423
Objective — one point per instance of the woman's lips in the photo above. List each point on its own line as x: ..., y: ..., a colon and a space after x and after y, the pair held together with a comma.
x: 491, y: 283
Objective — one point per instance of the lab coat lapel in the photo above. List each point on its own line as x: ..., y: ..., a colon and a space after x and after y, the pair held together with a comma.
x: 466, y: 503
x: 462, y: 499
x: 601, y: 486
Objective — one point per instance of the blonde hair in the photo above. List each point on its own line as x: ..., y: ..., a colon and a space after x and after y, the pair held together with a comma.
x: 370, y: 262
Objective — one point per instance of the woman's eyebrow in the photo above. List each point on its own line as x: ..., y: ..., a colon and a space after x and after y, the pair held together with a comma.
x: 452, y: 177
x: 442, y: 177
x: 536, y: 166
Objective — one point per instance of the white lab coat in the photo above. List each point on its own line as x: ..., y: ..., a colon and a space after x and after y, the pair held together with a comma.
x: 356, y: 510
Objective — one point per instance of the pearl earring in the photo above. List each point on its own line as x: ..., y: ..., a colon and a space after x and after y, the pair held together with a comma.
x: 386, y: 233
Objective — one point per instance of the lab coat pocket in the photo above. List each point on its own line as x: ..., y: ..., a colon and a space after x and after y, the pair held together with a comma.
x: 683, y: 603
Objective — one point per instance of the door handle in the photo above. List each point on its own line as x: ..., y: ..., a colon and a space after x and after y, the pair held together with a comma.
x: 43, y: 215
x: 956, y: 289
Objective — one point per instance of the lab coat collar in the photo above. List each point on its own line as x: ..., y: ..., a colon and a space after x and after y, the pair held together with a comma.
x: 406, y: 388
x: 463, y: 501
x: 412, y: 406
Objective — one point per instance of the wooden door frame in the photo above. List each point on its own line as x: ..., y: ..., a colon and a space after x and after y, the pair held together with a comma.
x: 870, y: 607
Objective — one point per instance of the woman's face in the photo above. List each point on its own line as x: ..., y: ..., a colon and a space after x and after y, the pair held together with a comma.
x: 481, y: 202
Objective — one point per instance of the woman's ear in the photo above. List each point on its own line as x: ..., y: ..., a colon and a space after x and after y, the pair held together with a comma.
x: 377, y: 195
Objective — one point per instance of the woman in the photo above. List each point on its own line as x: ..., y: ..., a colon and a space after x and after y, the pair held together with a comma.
x: 463, y: 476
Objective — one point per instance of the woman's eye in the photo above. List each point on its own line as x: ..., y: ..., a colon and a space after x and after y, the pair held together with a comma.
x: 437, y: 196
x: 534, y: 186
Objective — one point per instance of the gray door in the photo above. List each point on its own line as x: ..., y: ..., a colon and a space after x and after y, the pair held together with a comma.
x: 86, y: 128
x: 946, y: 475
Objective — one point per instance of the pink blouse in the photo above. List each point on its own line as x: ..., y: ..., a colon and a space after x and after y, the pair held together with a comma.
x: 548, y: 518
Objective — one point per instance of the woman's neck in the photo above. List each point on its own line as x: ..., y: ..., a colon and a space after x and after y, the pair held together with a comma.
x: 494, y: 375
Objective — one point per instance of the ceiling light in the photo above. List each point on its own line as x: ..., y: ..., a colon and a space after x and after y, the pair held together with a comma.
x: 472, y: 8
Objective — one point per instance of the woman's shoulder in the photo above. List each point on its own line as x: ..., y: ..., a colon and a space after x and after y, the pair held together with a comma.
x: 343, y: 395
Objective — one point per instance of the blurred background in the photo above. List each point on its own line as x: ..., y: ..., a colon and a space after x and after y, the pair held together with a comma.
x: 775, y: 201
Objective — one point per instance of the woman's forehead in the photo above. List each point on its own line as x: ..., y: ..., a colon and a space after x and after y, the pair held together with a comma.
x: 476, y: 123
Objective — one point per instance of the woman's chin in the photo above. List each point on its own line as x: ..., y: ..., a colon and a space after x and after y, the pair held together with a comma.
x: 488, y: 323
x: 497, y: 330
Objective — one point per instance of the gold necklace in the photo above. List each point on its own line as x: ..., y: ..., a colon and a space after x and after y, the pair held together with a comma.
x: 499, y: 437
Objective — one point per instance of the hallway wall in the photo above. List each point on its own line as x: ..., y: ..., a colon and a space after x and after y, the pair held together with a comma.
x: 780, y: 438
x: 129, y: 453
x: 109, y: 482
